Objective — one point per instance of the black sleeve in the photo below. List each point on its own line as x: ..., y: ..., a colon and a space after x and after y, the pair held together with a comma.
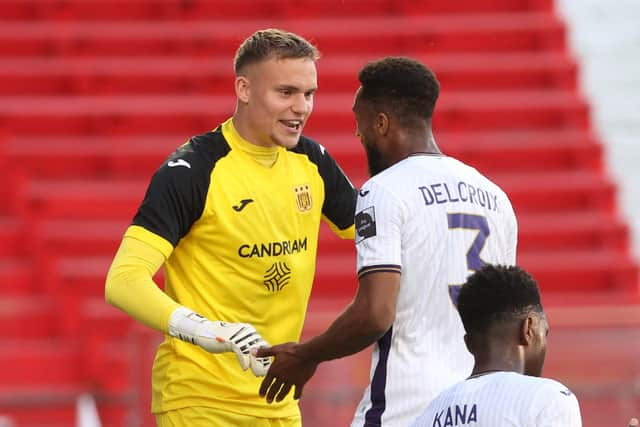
x: 340, y: 195
x: 176, y: 196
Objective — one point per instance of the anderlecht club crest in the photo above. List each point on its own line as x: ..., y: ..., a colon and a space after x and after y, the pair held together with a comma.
x: 303, y: 197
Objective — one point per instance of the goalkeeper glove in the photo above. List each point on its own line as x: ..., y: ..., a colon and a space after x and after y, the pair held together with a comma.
x: 220, y: 337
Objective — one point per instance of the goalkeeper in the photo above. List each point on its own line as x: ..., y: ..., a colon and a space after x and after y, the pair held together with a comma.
x: 233, y: 218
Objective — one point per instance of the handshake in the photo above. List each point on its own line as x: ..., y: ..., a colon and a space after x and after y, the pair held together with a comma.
x: 221, y: 337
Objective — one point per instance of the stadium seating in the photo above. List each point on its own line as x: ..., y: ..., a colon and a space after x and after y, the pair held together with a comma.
x: 94, y: 94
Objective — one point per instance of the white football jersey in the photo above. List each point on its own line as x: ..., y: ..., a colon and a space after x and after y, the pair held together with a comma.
x: 503, y: 399
x: 435, y: 220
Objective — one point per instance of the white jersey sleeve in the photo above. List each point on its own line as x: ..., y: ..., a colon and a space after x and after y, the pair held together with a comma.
x: 561, y: 408
x: 379, y: 223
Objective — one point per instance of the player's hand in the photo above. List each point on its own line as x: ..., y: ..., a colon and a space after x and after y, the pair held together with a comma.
x: 288, y: 369
x: 220, y: 337
x: 240, y: 338
x: 633, y: 422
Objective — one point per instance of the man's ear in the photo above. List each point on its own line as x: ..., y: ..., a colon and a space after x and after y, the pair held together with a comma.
x: 382, y: 123
x: 242, y: 87
x: 527, y: 330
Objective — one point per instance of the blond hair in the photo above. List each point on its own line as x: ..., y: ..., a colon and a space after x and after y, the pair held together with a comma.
x: 273, y: 43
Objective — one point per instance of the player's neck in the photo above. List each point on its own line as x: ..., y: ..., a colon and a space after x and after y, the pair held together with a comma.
x: 475, y: 374
x: 498, y: 359
x: 480, y: 370
x: 423, y: 143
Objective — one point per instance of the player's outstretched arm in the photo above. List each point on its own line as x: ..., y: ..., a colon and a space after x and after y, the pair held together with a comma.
x: 364, y: 321
x: 130, y: 287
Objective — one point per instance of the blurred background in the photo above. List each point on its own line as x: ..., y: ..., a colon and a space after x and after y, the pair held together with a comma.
x: 542, y: 96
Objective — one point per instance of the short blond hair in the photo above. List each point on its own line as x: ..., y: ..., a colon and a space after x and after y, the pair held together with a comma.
x: 272, y: 42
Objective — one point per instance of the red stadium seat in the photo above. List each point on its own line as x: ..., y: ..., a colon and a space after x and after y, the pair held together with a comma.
x: 28, y: 316
x: 98, y: 75
x: 176, y: 9
x: 16, y: 276
x: 28, y: 362
x: 11, y: 236
x: 506, y: 32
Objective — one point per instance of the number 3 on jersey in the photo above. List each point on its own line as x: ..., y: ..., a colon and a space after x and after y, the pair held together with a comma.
x: 474, y: 262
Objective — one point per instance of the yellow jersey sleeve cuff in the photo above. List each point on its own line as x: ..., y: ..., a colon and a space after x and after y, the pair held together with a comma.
x: 144, y: 235
x: 347, y: 233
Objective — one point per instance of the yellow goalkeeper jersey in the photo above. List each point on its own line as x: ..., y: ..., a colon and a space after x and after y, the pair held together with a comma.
x: 240, y: 240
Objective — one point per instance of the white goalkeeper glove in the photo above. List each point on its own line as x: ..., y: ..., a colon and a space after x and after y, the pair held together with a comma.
x: 220, y: 337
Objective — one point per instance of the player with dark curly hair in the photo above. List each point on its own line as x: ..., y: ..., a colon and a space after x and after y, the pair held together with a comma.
x: 507, y: 334
x: 424, y: 221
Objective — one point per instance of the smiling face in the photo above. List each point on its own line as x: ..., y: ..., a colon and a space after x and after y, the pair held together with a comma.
x: 275, y: 99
